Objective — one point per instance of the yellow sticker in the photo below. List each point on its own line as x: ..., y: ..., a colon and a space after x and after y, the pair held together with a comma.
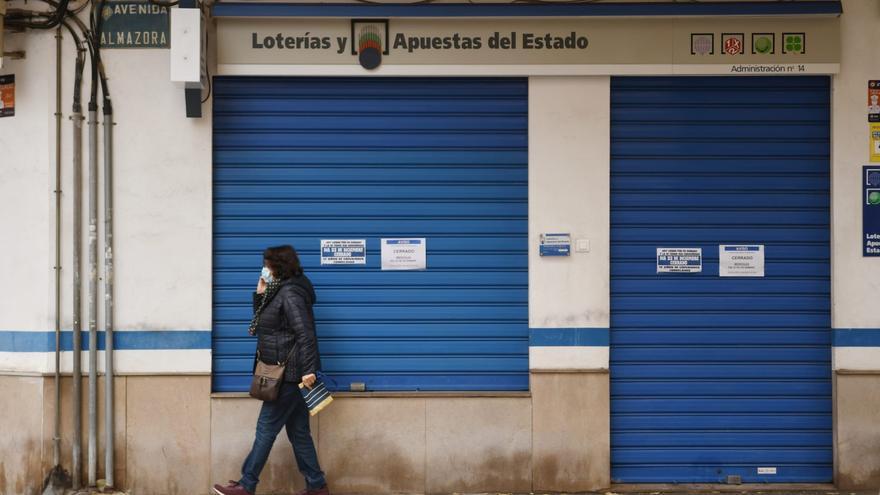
x: 874, y: 138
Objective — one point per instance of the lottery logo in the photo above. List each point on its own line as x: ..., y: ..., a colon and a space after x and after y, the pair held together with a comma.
x: 732, y: 44
x: 369, y: 41
x: 702, y: 44
x: 763, y: 43
x: 794, y: 43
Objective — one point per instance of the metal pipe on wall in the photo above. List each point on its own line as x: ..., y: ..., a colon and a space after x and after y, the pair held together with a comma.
x: 76, y: 119
x: 56, y: 438
x: 76, y: 465
x: 93, y: 294
x: 108, y: 292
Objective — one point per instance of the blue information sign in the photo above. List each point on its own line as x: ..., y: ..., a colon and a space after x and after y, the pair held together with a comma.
x: 871, y: 211
x: 555, y: 245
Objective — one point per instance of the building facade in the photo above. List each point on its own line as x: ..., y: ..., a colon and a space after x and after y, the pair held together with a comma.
x: 556, y: 247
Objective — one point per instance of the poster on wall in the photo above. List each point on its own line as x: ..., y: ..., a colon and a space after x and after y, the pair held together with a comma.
x: 874, y: 137
x: 873, y: 101
x: 679, y: 260
x: 404, y: 254
x: 343, y: 252
x: 871, y: 211
x: 741, y: 260
x: 7, y: 95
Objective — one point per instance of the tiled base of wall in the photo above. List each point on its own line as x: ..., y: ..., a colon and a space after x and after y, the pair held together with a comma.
x: 173, y: 437
x: 857, y: 428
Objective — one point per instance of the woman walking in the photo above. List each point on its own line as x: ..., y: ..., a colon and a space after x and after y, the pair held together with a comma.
x: 284, y: 325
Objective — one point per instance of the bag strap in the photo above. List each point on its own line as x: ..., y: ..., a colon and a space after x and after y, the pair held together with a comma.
x: 279, y: 363
x: 293, y: 348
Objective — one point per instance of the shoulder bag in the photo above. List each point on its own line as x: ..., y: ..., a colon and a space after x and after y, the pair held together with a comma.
x: 268, y: 378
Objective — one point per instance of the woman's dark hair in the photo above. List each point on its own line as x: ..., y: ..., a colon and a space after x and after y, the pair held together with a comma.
x: 283, y: 261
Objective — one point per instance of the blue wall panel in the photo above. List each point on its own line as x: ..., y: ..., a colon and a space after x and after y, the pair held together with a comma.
x: 715, y: 376
x: 576, y: 9
x: 297, y: 160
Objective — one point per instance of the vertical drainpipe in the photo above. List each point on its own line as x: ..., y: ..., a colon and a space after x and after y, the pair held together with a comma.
x: 108, y: 291
x: 93, y: 293
x: 76, y: 465
x: 56, y: 437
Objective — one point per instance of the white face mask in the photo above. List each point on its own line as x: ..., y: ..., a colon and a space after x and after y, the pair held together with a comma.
x: 266, y: 275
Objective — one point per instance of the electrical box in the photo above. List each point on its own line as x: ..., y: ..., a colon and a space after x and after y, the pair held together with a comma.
x: 187, y: 48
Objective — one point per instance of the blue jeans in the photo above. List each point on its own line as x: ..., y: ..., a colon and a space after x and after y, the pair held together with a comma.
x: 288, y: 410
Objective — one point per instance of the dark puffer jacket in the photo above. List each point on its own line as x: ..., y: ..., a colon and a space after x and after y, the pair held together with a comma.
x: 287, y: 324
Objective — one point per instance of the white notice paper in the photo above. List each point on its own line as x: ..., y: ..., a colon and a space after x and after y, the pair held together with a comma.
x: 679, y: 260
x: 404, y: 254
x: 343, y: 252
x: 741, y: 260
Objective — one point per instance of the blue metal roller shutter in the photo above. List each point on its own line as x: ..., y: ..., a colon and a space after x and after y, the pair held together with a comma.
x: 297, y: 160
x: 714, y: 376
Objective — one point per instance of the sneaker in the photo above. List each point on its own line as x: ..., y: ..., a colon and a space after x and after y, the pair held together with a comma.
x: 233, y: 488
x: 319, y: 491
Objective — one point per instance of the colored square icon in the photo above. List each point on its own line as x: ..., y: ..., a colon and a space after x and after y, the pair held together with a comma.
x: 794, y: 43
x: 702, y: 44
x: 763, y: 43
x: 733, y: 43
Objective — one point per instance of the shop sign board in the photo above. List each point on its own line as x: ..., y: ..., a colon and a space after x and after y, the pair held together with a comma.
x: 525, y: 46
x: 871, y: 211
x: 134, y: 24
x: 741, y: 260
x: 404, y: 254
x: 679, y: 260
x: 343, y: 252
x: 555, y: 245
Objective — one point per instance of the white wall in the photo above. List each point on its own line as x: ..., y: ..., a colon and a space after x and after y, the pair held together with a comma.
x: 856, y: 279
x: 26, y: 146
x: 569, y: 167
x: 163, y: 198
x: 162, y: 203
